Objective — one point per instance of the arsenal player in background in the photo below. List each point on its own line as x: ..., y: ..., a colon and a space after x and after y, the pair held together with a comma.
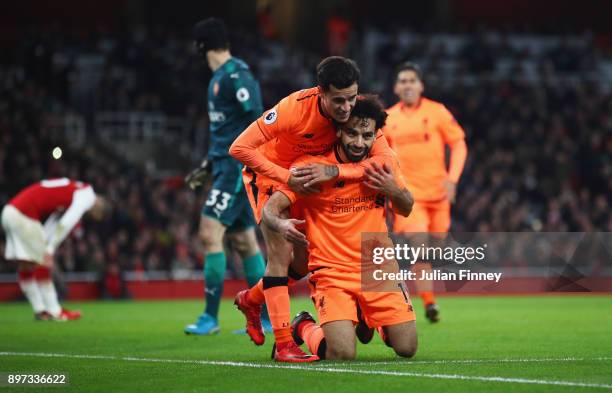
x: 36, y: 221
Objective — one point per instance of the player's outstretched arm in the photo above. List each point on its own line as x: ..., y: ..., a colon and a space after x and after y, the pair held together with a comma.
x: 245, y: 150
x: 381, y: 178
x: 271, y: 217
x: 315, y: 174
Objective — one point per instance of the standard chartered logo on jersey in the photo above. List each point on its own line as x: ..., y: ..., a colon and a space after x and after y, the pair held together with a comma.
x: 356, y: 204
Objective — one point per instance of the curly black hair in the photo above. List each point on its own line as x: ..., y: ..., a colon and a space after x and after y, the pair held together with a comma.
x: 369, y: 106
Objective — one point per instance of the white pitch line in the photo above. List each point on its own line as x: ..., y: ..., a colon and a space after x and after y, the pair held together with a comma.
x: 469, y: 361
x: 318, y: 369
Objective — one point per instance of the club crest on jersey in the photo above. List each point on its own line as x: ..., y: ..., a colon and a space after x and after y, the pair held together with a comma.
x: 308, y: 136
x: 322, y: 304
x: 270, y: 117
x: 216, y: 88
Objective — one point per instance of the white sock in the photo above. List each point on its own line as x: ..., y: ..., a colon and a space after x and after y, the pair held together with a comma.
x: 49, y: 296
x: 32, y: 293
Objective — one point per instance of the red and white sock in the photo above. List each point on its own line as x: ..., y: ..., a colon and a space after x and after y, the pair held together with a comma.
x: 30, y: 289
x: 47, y: 290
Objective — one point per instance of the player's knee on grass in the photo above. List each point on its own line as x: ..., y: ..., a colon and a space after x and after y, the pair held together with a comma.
x: 336, y: 353
x: 211, y: 234
x: 403, y: 338
x: 340, y: 340
x: 244, y: 242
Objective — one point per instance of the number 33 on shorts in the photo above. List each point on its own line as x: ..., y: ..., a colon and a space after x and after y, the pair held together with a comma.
x: 220, y: 204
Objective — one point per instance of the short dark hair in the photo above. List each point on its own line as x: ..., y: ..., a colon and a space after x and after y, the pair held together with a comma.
x: 409, y: 66
x: 369, y: 106
x: 338, y: 71
x: 210, y: 34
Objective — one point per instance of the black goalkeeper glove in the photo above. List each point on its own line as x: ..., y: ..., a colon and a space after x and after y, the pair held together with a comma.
x: 198, y: 176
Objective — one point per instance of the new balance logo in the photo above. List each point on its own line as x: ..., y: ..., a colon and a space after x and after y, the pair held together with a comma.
x: 339, y: 184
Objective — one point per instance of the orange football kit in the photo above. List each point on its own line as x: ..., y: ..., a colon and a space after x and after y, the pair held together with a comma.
x: 419, y: 136
x: 296, y: 126
x: 335, y: 219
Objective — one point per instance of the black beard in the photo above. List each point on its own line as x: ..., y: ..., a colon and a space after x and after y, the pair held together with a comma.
x: 351, y: 157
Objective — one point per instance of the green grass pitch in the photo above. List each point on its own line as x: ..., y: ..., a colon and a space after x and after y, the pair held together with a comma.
x: 493, y: 344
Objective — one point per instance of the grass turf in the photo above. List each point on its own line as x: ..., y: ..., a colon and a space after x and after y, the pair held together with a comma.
x: 490, y: 337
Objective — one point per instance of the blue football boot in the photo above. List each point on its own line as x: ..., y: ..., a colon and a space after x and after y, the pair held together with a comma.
x: 206, y: 325
x: 266, y: 324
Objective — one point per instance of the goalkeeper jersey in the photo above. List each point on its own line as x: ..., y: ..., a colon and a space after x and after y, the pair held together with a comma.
x: 234, y: 101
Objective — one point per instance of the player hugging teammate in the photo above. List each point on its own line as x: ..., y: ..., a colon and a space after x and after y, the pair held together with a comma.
x: 334, y: 240
x: 304, y: 122
x: 352, y: 155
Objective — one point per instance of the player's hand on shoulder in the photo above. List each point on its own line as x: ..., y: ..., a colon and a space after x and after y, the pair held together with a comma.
x: 315, y: 173
x: 288, y: 228
x: 380, y: 178
x: 198, y: 176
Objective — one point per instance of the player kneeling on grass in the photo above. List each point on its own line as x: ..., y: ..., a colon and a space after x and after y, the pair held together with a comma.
x: 334, y: 221
x: 60, y: 204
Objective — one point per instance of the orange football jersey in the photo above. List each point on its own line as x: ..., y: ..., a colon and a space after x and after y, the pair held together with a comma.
x: 337, y: 216
x: 419, y: 136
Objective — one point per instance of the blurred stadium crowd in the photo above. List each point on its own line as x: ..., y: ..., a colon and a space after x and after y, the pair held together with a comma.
x: 537, y: 112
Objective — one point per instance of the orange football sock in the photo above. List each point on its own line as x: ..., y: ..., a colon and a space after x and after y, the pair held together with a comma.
x: 256, y: 293
x: 313, y: 336
x: 428, y: 298
x: 276, y: 293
